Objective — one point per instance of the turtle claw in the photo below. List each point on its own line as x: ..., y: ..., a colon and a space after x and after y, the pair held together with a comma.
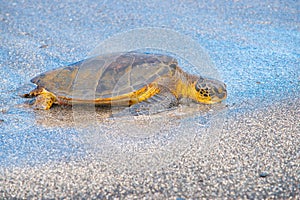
x: 25, y: 95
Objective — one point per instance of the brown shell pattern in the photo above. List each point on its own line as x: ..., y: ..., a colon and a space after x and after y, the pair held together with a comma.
x: 106, y: 75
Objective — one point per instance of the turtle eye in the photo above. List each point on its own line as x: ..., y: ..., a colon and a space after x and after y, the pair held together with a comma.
x: 200, y: 80
x: 197, y: 87
x: 173, y: 66
x: 200, y: 84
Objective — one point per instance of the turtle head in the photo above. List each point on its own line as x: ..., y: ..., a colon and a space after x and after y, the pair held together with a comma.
x: 209, y: 91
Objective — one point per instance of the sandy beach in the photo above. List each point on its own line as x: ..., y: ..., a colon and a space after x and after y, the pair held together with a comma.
x: 247, y: 147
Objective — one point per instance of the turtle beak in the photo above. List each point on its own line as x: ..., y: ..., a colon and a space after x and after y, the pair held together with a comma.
x: 220, y: 93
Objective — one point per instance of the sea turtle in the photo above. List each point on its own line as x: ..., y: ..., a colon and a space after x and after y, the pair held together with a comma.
x: 146, y: 83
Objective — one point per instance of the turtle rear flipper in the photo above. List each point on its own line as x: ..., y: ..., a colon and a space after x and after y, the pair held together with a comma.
x: 160, y: 102
x: 44, y: 99
x: 43, y: 102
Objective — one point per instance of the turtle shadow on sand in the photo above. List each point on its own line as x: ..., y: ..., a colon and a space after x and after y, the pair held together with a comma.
x: 86, y: 115
x: 63, y: 116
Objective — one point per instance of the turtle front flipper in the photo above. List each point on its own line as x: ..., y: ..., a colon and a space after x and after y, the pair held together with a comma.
x: 160, y: 102
x: 44, y: 99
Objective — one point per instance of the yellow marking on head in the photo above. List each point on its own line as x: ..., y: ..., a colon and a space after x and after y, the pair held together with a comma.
x: 202, y: 96
x: 187, y: 90
x: 209, y: 91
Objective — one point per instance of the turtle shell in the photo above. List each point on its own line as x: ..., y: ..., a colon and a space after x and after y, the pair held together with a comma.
x: 106, y: 76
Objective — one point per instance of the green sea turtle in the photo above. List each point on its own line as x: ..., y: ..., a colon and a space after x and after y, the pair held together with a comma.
x: 146, y: 83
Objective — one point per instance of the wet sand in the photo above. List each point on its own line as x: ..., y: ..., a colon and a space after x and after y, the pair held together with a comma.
x: 257, y: 156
